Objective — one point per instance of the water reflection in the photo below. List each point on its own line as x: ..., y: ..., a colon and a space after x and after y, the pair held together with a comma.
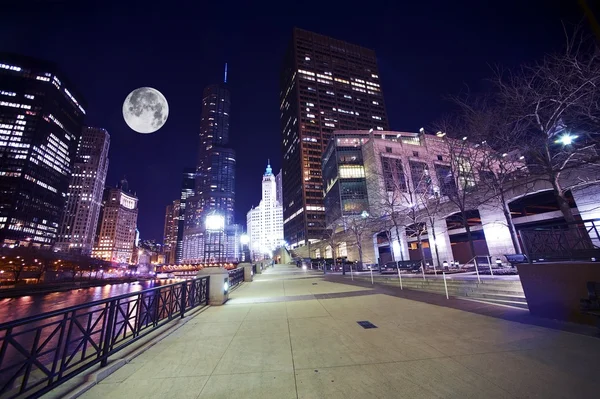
x: 18, y: 308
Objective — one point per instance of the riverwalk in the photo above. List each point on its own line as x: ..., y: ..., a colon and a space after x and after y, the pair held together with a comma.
x: 296, y: 334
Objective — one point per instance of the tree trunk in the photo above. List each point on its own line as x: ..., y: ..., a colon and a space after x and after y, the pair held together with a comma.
x: 421, y: 249
x: 399, y: 244
x: 469, y: 235
x: 511, y: 226
x: 437, y: 254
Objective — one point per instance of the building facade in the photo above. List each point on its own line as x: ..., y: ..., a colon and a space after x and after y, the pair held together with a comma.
x: 215, y: 184
x: 279, y: 184
x: 117, y: 229
x: 214, y: 191
x: 265, y: 222
x: 82, y: 211
x: 326, y: 85
x: 188, y: 191
x: 170, y: 232
x: 41, y: 117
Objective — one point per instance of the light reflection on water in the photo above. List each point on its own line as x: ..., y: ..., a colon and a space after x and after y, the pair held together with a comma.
x: 25, y: 306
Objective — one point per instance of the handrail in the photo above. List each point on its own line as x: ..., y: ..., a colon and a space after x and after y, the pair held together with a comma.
x: 58, y: 312
x: 41, y: 352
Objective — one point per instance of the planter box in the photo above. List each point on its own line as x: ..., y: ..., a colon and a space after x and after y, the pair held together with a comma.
x: 553, y: 290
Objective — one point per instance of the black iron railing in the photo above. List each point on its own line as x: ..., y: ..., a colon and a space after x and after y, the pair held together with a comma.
x: 41, y: 352
x: 562, y: 241
x: 236, y: 277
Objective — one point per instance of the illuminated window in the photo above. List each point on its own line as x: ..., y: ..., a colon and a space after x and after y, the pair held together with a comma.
x: 351, y: 171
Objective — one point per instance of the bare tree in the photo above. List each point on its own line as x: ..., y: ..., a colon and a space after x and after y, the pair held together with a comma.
x: 500, y: 166
x: 556, y: 100
x: 330, y: 236
x: 358, y: 226
x: 458, y: 183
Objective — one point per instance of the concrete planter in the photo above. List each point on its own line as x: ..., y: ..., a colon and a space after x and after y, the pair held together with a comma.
x: 553, y: 290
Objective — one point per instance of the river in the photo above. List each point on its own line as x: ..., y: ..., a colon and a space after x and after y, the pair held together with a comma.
x: 31, y: 305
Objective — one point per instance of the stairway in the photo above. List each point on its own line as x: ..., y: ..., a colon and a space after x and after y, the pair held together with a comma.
x: 508, y: 293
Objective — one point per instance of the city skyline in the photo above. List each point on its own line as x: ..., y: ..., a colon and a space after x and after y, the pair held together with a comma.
x: 255, y: 85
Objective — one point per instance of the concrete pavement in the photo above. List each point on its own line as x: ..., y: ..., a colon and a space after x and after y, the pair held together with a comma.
x: 293, y: 334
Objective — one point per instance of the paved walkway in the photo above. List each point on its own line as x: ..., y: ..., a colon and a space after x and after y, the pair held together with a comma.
x: 292, y: 334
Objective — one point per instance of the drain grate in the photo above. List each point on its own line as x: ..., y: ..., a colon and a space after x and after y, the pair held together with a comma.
x: 314, y: 283
x: 366, y: 324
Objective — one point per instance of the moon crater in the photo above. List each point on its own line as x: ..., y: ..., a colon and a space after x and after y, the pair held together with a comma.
x: 145, y: 110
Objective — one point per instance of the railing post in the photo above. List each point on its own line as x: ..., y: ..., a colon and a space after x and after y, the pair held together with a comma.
x: 183, y: 290
x: 490, y: 265
x: 477, y: 269
x: 445, y: 285
x: 207, y: 288
x: 108, y: 332
x: 400, y: 278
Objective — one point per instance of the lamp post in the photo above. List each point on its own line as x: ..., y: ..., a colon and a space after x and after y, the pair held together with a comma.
x: 214, y: 224
x: 245, y: 240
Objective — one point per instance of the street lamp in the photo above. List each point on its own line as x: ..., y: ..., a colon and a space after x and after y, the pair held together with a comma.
x: 214, y: 222
x: 566, y: 139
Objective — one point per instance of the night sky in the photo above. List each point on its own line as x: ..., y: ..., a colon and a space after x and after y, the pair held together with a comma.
x: 426, y: 50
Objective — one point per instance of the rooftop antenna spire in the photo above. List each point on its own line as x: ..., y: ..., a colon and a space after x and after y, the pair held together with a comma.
x: 225, y: 80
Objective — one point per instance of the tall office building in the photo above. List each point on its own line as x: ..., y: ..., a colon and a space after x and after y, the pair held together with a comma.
x: 215, y: 179
x: 279, y: 184
x: 326, y: 85
x: 118, y: 226
x: 265, y: 222
x: 41, y: 117
x: 170, y: 232
x: 188, y: 189
x: 80, y: 218
x: 215, y: 183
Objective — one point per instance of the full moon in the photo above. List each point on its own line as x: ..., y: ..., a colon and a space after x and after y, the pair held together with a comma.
x: 145, y: 110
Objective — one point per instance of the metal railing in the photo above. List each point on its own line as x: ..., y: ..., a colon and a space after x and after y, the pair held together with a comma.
x: 236, y: 277
x: 562, y: 241
x: 39, y: 353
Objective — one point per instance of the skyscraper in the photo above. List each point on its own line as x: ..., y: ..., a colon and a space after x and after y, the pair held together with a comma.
x: 188, y: 189
x: 215, y: 178
x: 41, y: 117
x: 215, y: 183
x: 265, y: 222
x: 118, y: 225
x: 326, y: 85
x: 84, y: 199
x: 170, y: 232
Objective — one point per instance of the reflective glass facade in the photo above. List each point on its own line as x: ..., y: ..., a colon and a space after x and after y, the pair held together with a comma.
x: 344, y: 178
x: 41, y: 118
x: 326, y: 85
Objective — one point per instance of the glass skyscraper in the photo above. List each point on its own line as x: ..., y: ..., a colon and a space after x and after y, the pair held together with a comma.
x: 214, y: 180
x: 84, y: 199
x: 326, y: 85
x: 41, y: 117
x: 215, y: 184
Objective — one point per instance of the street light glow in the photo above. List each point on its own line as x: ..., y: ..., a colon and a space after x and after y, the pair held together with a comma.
x: 566, y: 139
x: 215, y: 222
x: 244, y: 239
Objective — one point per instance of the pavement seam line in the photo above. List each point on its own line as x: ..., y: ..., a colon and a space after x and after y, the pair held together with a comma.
x: 221, y: 358
x: 291, y: 347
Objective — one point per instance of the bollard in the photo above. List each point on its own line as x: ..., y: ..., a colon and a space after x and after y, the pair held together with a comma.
x: 491, y: 273
x: 351, y: 275
x: 423, y: 270
x: 371, y: 274
x: 400, y: 278
x: 477, y: 270
x: 445, y: 286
